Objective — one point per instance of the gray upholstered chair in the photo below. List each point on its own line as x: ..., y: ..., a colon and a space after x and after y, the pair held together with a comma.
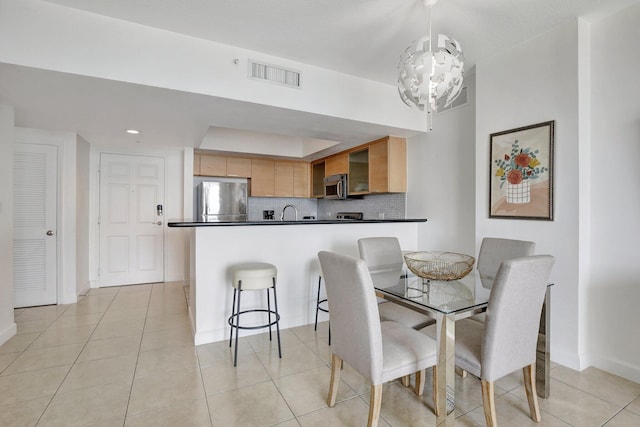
x: 384, y: 253
x: 495, y: 250
x: 379, y: 351
x: 507, y: 340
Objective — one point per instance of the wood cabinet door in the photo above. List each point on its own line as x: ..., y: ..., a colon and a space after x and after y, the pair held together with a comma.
x: 239, y: 166
x: 378, y: 168
x: 211, y: 165
x: 397, y: 164
x: 317, y: 178
x: 262, y: 178
x: 336, y: 164
x: 283, y: 172
x: 196, y: 164
x: 300, y: 179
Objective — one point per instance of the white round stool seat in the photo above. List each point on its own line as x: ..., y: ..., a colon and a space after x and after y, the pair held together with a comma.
x: 253, y: 275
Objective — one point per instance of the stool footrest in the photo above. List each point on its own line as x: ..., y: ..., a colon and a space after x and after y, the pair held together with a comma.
x: 234, y: 324
x: 322, y: 301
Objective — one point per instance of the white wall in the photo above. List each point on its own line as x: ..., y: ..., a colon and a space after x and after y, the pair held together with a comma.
x: 614, y: 291
x: 7, y: 325
x: 531, y: 83
x: 82, y: 215
x: 174, y: 239
x: 441, y: 179
x: 45, y: 35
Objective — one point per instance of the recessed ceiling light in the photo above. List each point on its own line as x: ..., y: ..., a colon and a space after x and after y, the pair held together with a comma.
x: 133, y: 131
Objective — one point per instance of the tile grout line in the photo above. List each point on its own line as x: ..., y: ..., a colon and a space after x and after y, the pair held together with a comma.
x: 75, y: 360
x: 135, y: 368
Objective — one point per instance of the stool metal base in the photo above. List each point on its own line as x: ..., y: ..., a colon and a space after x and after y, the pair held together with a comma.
x: 319, y: 308
x: 234, y: 319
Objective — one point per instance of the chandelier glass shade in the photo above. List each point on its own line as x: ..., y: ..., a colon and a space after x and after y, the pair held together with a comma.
x: 431, y: 79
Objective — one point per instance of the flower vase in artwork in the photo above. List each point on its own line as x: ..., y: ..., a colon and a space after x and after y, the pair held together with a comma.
x: 518, y: 193
x: 516, y: 170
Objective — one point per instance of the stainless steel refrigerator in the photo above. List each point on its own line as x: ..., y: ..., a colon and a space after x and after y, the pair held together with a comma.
x: 222, y: 200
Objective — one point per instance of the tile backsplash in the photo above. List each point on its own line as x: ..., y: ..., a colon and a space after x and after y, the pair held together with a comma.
x: 375, y: 206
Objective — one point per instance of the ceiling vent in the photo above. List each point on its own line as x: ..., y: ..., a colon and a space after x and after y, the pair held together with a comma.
x: 460, y: 101
x: 274, y: 74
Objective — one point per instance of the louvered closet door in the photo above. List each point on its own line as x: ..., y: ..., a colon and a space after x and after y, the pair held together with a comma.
x: 34, y: 224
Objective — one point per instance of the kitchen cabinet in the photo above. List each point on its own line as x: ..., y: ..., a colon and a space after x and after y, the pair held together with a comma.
x: 291, y: 179
x: 317, y: 178
x: 300, y: 179
x: 212, y: 165
x: 283, y: 172
x: 338, y: 163
x: 388, y: 165
x: 196, y: 164
x: 239, y: 166
x: 359, y: 171
x: 262, y: 178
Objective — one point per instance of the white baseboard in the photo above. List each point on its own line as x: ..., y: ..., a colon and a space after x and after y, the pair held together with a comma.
x: 8, y: 332
x: 616, y: 367
x: 568, y: 359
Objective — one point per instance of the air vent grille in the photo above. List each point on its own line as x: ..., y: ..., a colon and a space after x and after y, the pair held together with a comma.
x: 274, y: 74
x: 460, y: 101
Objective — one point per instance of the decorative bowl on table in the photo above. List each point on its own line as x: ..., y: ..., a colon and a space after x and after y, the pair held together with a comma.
x: 434, y: 265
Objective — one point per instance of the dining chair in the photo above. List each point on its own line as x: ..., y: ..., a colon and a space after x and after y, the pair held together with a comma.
x: 385, y: 254
x: 507, y: 340
x: 494, y: 250
x: 380, y: 351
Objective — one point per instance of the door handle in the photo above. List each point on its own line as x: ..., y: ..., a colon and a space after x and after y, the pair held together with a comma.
x: 49, y: 232
x: 157, y: 223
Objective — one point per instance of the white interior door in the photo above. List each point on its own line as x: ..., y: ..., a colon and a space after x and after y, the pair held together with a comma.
x: 131, y: 225
x: 35, y: 178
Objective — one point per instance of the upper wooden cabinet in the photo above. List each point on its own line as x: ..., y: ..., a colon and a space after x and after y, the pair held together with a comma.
x: 291, y: 179
x: 317, y: 178
x: 211, y: 165
x: 262, y: 178
x: 216, y: 165
x: 338, y: 163
x: 239, y: 166
x: 388, y: 165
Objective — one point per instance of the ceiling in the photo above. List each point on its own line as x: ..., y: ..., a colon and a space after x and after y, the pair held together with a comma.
x: 358, y: 37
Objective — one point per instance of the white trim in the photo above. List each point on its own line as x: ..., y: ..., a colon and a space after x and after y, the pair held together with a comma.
x: 8, y: 333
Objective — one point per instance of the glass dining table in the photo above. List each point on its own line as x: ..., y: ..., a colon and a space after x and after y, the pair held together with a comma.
x: 446, y: 302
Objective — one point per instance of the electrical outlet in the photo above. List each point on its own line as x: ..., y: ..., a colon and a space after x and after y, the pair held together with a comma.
x: 268, y: 214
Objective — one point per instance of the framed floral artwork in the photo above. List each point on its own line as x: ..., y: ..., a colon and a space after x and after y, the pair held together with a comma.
x: 521, y: 173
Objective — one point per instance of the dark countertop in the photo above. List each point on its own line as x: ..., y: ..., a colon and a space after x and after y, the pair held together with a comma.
x: 301, y: 222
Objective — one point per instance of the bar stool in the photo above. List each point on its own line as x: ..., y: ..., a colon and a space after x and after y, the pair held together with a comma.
x: 320, y: 308
x: 253, y: 276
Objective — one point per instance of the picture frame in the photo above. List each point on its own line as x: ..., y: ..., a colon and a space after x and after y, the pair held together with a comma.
x: 521, y: 172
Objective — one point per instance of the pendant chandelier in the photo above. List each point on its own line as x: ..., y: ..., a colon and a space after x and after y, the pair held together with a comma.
x: 431, y: 79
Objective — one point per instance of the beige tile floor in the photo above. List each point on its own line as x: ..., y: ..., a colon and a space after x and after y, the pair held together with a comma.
x: 124, y: 357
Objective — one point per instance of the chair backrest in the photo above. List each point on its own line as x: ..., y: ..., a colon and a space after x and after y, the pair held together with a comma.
x: 494, y: 250
x: 513, y: 315
x: 355, y: 324
x: 380, y: 251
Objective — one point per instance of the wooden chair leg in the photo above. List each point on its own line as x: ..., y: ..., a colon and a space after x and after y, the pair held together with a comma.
x: 529, y: 373
x: 336, y: 366
x: 461, y: 372
x: 488, y: 400
x: 375, y: 404
x: 436, y: 392
x: 406, y: 380
x: 419, y: 389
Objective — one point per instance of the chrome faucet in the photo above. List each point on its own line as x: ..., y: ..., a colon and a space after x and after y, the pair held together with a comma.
x: 285, y: 208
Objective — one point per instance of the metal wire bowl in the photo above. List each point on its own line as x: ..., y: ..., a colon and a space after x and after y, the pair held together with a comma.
x: 434, y: 265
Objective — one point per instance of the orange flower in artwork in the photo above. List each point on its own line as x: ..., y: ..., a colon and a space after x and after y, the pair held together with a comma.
x: 522, y: 160
x: 514, y: 176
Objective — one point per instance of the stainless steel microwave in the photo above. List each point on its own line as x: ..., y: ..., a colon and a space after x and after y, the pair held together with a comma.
x: 336, y: 186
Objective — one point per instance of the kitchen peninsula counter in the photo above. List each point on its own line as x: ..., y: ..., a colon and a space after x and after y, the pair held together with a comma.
x: 300, y: 222
x: 215, y: 247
